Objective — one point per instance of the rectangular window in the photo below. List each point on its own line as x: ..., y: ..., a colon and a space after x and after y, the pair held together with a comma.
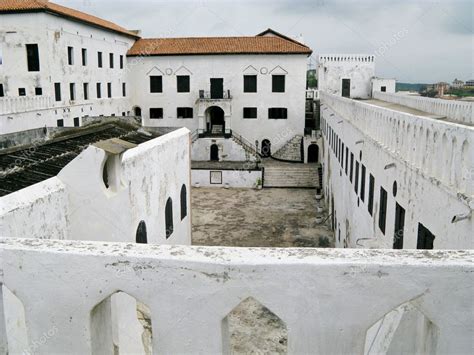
x: 347, y: 159
x: 86, y: 91
x: 356, y: 180
x: 342, y: 156
x: 99, y: 59
x: 2, y: 93
x: 109, y: 90
x: 99, y: 90
x: 156, y: 83
x: 57, y: 91
x: 124, y: 89
x: 399, y: 227
x: 362, y: 183
x: 32, y: 57
x: 156, y: 113
x: 250, y: 83
x: 425, y: 238
x: 250, y: 112
x: 383, y: 89
x: 38, y: 91
x: 84, y: 57
x: 76, y: 122
x: 277, y: 113
x: 72, y: 91
x: 278, y: 83
x: 121, y: 62
x: 183, y: 83
x: 370, y: 205
x: 383, y: 209
x: 184, y: 112
x: 70, y: 55
x: 352, y: 167
x: 111, y: 60
x: 60, y: 123
x: 22, y: 92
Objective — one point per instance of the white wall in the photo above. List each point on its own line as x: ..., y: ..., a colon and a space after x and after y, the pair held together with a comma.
x: 231, y: 68
x: 432, y: 176
x: 230, y: 178
x: 53, y: 35
x: 229, y: 150
x: 359, y: 68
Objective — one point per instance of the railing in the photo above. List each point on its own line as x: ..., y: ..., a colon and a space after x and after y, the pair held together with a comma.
x: 195, y: 136
x: 208, y: 95
x: 11, y: 105
x: 249, y: 147
x: 185, y: 295
x: 456, y: 110
x: 438, y: 149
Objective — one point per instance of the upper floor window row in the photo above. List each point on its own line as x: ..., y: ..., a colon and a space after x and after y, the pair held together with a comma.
x: 250, y: 83
x: 182, y: 83
x: 84, y: 57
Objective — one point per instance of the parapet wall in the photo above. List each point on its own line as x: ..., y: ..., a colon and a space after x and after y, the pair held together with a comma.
x: 456, y: 110
x: 190, y: 291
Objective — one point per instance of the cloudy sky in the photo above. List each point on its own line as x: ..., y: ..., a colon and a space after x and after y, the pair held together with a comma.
x: 414, y: 40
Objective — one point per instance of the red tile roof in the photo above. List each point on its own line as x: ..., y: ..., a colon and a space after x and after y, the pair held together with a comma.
x: 217, y: 45
x: 8, y: 6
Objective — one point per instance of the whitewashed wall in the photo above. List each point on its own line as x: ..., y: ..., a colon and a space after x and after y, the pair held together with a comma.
x: 191, y: 290
x: 359, y: 68
x: 232, y: 69
x: 229, y: 150
x: 77, y: 205
x: 231, y: 178
x: 433, y: 165
x: 53, y: 35
x: 377, y: 83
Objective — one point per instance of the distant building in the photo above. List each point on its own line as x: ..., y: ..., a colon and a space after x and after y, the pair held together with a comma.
x: 469, y: 84
x: 457, y: 84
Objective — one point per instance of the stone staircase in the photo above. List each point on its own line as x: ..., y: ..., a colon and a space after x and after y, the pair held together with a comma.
x: 291, y: 150
x: 291, y: 175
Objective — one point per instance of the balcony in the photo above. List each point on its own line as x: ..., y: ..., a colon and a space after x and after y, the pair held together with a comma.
x: 215, y: 95
x: 330, y: 301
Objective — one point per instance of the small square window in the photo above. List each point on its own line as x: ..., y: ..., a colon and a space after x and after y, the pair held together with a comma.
x: 278, y: 83
x: 38, y: 91
x: 250, y: 112
x: 383, y: 89
x: 60, y: 123
x: 183, y: 83
x: 156, y: 113
x: 185, y: 112
x: 22, y: 91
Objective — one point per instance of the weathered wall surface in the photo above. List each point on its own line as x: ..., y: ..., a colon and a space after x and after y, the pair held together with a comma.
x: 53, y: 35
x: 191, y: 290
x: 359, y: 68
x: 231, y: 68
x: 430, y: 161
x: 232, y: 178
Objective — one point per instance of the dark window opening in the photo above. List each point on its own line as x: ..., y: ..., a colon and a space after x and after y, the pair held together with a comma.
x: 141, y: 235
x: 109, y: 90
x: 399, y: 227
x: 32, y: 56
x: 425, y: 238
x: 2, y: 93
x: 356, y: 179
x: 169, y: 217
x: 111, y: 60
x: 394, y: 189
x: 184, y: 112
x: 346, y: 87
x: 22, y: 92
x: 99, y: 59
x: 121, y: 62
x: 72, y: 91
x: 362, y: 183
x: 57, y: 91
x: 250, y: 83
x: 278, y: 83
x: 214, y: 152
x: 84, y: 57
x: 182, y: 82
x: 342, y: 156
x: 277, y: 113
x: 383, y: 89
x: 156, y: 113
x: 70, y: 55
x: 38, y: 91
x: 99, y: 90
x: 60, y: 123
x: 352, y: 167
x: 86, y: 91
x: 156, y: 83
x: 250, y: 112
x: 124, y: 89
x: 266, y: 150
x: 383, y: 209
x: 347, y: 159
x: 370, y: 204
x: 184, y: 202
x: 76, y: 122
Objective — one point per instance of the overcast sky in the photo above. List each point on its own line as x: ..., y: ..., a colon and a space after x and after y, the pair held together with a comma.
x: 414, y: 40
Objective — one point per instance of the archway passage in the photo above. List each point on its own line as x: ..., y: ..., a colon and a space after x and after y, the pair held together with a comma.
x: 138, y: 111
x: 266, y: 148
x: 313, y: 153
x: 141, y: 235
x: 216, y: 120
x: 214, y: 152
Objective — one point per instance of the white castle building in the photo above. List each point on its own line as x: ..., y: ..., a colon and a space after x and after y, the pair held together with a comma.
x: 389, y: 172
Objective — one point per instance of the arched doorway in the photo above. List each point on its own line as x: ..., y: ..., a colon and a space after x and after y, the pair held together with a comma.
x: 215, y: 120
x: 214, y: 152
x: 138, y: 111
x: 266, y: 150
x: 313, y: 153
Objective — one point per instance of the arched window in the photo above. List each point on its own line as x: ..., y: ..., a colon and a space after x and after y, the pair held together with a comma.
x: 141, y: 236
x: 184, y: 202
x: 169, y: 217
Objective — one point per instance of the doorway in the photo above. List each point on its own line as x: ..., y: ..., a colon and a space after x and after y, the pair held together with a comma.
x: 216, y: 121
x: 138, y: 111
x: 214, y: 152
x: 217, y: 88
x: 313, y: 153
x: 346, y: 87
x: 399, y: 227
x: 266, y: 148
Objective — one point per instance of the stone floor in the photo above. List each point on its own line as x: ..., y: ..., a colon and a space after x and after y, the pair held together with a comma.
x: 258, y: 218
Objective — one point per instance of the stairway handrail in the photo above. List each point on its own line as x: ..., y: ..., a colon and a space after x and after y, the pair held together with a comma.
x: 244, y: 142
